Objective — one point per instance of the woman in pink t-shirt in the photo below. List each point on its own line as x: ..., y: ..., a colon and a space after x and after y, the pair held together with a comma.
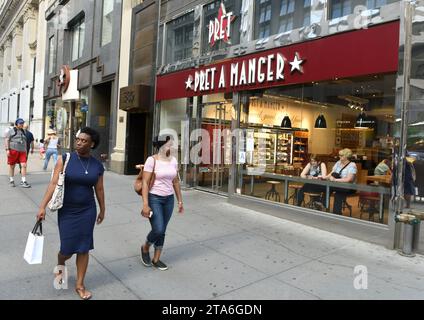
x: 158, y: 202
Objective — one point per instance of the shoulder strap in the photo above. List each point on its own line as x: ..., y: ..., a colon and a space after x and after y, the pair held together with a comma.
x: 67, y: 157
x: 154, y: 164
x: 345, y: 167
x: 16, y: 132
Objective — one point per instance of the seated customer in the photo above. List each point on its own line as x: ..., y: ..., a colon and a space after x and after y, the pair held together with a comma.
x: 343, y: 171
x: 383, y: 168
x: 315, y: 169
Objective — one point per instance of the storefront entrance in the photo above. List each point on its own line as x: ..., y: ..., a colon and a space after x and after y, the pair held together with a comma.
x: 212, y: 174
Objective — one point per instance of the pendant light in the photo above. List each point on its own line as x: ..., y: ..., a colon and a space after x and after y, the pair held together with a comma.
x: 361, y: 121
x: 320, y: 122
x: 286, y: 123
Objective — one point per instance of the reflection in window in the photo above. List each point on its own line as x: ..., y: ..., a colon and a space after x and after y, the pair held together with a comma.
x: 341, y: 8
x: 52, y: 54
x: 274, y: 17
x: 324, y: 120
x: 107, y: 21
x: 211, y: 12
x: 78, y: 35
x: 179, y: 42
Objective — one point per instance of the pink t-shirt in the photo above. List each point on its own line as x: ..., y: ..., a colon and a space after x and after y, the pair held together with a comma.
x: 165, y: 172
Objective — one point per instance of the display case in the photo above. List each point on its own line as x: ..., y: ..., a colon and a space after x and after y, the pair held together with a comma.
x: 274, y: 151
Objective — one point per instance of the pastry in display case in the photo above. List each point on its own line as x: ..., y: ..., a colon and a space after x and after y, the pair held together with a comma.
x: 275, y: 150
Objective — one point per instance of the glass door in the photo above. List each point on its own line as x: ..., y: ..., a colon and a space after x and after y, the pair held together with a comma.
x: 213, y: 170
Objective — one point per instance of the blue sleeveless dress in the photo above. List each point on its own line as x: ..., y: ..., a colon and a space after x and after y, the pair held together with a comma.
x: 78, y: 215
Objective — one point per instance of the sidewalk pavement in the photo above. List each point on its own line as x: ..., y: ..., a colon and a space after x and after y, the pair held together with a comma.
x: 214, y: 251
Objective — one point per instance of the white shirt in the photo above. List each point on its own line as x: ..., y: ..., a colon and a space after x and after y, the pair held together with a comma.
x: 53, y: 143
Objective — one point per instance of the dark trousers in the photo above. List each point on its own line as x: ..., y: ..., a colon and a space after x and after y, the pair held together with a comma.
x: 162, y: 208
x: 340, y: 196
x: 308, y: 187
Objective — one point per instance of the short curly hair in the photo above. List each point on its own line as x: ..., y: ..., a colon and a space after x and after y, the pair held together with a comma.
x: 94, y: 135
x: 346, y: 153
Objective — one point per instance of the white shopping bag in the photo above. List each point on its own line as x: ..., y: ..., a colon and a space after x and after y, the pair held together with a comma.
x: 34, y: 246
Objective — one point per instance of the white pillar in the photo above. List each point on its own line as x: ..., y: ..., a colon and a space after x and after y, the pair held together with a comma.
x: 15, y: 71
x: 3, y: 119
x: 29, y: 38
x: 37, y: 121
x: 118, y: 155
x: 6, y: 66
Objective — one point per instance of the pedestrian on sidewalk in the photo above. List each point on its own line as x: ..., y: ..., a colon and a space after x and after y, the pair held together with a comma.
x: 52, y: 144
x: 42, y: 149
x: 29, y: 144
x: 77, y: 217
x: 16, y: 148
x: 158, y: 202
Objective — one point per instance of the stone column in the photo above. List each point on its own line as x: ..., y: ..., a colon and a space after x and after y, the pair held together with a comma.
x: 117, y: 163
x: 3, y: 115
x: 37, y: 121
x: 7, y: 66
x: 29, y: 46
x: 16, y: 65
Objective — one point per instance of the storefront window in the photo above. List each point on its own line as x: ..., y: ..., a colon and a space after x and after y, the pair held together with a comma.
x: 212, y: 17
x: 179, y: 42
x: 414, y: 163
x: 173, y: 117
x: 81, y: 110
x: 274, y: 17
x: 58, y: 118
x: 296, y: 136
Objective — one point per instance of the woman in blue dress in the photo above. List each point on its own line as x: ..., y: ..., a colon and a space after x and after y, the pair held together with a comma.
x: 77, y: 217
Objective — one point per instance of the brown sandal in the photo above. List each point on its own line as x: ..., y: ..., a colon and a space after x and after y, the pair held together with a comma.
x: 83, y: 293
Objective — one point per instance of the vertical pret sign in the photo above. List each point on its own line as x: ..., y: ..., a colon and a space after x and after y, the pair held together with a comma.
x: 220, y: 28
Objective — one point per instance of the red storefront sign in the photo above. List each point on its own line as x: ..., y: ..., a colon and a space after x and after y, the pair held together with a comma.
x: 350, y: 54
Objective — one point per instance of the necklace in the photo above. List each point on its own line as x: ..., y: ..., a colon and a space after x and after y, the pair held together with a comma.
x: 88, y: 165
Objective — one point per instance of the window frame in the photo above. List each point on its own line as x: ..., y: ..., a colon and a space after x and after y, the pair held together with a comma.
x: 102, y: 44
x: 293, y: 18
x: 76, y: 29
x: 185, y: 46
x: 52, y: 54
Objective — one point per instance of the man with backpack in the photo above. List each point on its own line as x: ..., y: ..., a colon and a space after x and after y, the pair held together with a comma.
x: 16, y: 148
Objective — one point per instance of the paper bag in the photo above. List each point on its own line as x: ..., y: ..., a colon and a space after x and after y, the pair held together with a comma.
x: 34, y: 246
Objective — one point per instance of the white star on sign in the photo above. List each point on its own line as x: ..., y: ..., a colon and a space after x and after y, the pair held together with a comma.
x: 189, y: 83
x: 296, y: 64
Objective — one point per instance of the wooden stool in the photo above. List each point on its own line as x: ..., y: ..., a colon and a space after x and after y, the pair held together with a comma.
x: 273, y: 193
x: 296, y: 188
x: 313, y: 199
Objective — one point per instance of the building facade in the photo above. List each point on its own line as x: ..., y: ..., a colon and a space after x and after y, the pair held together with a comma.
x: 22, y: 40
x: 137, y: 85
x: 82, y: 67
x: 251, y: 90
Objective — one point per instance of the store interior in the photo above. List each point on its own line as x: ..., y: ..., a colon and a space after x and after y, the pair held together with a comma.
x: 290, y: 123
x: 321, y: 119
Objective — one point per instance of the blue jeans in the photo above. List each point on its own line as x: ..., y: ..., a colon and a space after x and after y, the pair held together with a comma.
x: 162, y: 208
x: 49, y: 153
